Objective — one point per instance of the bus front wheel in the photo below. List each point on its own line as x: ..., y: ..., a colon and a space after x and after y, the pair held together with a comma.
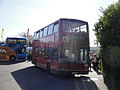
x: 12, y: 58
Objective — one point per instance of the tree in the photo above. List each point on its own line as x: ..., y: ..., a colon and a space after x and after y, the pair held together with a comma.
x: 22, y: 34
x: 107, y: 31
x: 29, y: 38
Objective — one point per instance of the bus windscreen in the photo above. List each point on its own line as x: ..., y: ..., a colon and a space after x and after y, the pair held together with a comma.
x: 74, y: 26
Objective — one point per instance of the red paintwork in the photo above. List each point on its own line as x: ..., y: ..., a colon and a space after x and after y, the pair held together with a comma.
x: 53, y: 41
x: 73, y: 67
x: 48, y: 41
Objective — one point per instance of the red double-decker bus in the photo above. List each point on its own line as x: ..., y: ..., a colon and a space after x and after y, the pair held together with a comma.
x: 62, y: 47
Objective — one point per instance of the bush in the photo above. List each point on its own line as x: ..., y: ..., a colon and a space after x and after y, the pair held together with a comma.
x: 107, y: 31
x: 111, y: 67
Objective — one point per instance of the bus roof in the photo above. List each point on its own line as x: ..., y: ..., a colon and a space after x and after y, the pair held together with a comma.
x: 73, y: 20
x: 82, y: 22
x: 16, y: 38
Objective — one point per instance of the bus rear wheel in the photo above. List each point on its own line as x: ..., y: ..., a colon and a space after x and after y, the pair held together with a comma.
x: 12, y: 58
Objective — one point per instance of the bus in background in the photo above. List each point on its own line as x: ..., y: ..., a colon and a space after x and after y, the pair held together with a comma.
x: 62, y: 47
x: 13, y: 49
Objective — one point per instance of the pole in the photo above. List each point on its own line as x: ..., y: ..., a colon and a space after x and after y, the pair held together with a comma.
x: 2, y: 34
x: 28, y: 40
x: 27, y: 36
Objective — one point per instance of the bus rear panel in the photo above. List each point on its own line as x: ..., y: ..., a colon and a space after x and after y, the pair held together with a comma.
x: 62, y: 47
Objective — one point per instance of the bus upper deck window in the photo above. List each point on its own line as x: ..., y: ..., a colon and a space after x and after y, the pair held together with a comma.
x: 56, y: 27
x: 45, y: 31
x: 41, y: 33
x: 74, y: 26
x: 37, y: 34
x: 83, y: 29
x: 34, y: 35
x: 50, y: 30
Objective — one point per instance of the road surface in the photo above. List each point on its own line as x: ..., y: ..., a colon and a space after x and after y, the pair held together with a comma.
x: 25, y: 76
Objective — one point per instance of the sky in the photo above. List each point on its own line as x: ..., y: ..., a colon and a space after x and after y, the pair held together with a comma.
x: 17, y: 16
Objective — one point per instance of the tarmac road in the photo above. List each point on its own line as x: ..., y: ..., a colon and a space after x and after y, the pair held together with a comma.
x: 25, y: 76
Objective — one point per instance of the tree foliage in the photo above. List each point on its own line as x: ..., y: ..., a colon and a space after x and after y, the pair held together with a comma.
x: 108, y: 28
x: 29, y: 38
x: 107, y: 31
x: 23, y: 35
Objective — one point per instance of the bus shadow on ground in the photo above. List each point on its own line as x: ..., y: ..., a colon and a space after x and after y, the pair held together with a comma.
x: 9, y: 62
x: 32, y: 78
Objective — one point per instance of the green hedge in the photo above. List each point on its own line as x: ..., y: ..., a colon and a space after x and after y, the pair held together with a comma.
x: 107, y: 31
x: 110, y: 67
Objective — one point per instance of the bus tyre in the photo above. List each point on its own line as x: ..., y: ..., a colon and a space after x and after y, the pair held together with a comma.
x: 12, y: 58
x: 48, y: 67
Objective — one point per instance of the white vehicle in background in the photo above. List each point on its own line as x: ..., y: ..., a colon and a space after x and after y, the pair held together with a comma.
x: 29, y: 51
